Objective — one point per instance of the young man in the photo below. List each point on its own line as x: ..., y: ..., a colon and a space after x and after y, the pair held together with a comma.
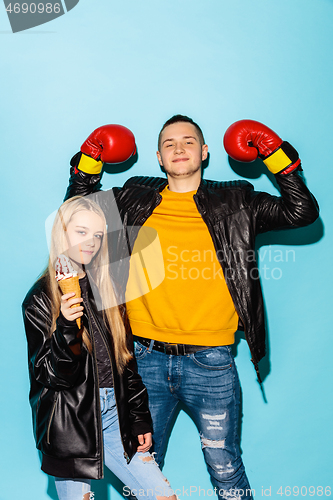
x: 185, y: 327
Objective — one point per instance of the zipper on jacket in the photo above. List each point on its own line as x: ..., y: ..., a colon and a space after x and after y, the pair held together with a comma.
x: 108, y: 352
x: 97, y: 383
x: 203, y: 212
x: 236, y: 308
x: 127, y: 458
x: 51, y: 418
x: 114, y: 389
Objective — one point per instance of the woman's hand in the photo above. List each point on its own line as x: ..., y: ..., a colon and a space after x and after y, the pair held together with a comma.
x: 145, y: 441
x: 71, y: 314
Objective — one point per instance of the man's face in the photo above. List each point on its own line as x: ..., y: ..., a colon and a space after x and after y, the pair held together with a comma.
x: 181, y: 153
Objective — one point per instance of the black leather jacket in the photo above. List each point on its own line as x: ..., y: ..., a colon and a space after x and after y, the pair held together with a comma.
x: 234, y: 214
x: 64, y: 391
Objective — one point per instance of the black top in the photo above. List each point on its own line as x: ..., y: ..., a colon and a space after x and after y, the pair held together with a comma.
x: 103, y: 361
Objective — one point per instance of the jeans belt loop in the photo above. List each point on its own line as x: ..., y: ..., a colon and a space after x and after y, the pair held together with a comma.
x: 151, y: 345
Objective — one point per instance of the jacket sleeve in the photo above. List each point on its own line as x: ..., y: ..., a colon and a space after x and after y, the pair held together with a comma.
x: 51, y: 361
x: 296, y: 207
x: 81, y: 183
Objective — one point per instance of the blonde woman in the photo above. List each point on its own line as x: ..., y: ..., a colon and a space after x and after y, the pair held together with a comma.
x: 89, y: 404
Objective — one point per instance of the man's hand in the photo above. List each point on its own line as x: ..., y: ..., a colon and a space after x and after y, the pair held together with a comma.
x: 145, y: 441
x: 71, y: 314
x: 106, y: 144
x: 245, y: 140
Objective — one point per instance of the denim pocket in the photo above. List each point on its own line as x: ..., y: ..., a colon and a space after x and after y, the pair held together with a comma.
x: 140, y: 350
x: 215, y: 358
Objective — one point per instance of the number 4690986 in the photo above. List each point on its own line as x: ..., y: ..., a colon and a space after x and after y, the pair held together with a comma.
x: 303, y: 491
x: 34, y: 8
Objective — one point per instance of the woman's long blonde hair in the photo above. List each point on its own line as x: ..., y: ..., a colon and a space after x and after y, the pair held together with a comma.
x: 98, y: 269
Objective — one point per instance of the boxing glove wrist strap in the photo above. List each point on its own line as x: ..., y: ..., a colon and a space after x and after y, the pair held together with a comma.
x: 282, y: 158
x: 89, y: 165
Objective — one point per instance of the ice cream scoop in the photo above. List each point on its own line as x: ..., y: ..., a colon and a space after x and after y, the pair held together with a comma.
x: 68, y: 279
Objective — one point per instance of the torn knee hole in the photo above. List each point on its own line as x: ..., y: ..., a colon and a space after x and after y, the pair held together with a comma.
x: 212, y: 443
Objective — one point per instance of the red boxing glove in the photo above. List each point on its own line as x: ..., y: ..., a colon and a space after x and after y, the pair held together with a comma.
x: 106, y: 144
x: 245, y: 140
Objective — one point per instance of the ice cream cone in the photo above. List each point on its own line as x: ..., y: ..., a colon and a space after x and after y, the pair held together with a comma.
x: 69, y: 285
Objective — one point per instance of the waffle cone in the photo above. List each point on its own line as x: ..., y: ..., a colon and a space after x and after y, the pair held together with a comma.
x: 70, y: 285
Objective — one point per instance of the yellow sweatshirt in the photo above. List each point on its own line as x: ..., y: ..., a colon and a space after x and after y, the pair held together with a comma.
x: 176, y: 290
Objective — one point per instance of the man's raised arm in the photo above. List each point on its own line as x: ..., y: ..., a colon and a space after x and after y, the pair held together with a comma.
x: 246, y: 140
x: 106, y: 144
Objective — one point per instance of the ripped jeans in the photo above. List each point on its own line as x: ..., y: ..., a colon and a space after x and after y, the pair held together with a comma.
x: 207, y: 383
x: 142, y: 475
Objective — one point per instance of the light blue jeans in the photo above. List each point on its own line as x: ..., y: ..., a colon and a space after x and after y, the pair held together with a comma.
x: 143, y: 478
x: 207, y: 383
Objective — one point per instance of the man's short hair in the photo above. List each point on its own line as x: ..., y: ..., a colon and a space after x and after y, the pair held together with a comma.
x: 181, y: 118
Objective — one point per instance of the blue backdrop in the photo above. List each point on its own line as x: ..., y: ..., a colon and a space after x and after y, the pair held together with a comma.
x: 138, y: 63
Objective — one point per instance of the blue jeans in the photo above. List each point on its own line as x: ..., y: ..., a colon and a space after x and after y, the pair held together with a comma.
x: 207, y: 383
x: 142, y: 475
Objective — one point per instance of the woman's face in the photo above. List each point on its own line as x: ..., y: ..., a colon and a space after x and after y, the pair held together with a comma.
x: 84, y: 232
